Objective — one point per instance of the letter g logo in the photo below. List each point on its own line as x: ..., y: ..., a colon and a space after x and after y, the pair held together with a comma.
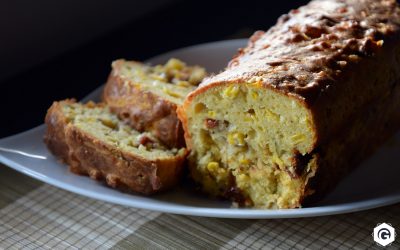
x: 384, y: 234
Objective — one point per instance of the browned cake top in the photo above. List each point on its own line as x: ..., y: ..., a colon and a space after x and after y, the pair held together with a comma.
x: 312, y: 46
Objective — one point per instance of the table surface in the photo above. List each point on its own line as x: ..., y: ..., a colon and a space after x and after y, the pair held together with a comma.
x: 36, y: 215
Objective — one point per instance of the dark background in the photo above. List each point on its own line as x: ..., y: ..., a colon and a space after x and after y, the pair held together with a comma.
x: 26, y: 96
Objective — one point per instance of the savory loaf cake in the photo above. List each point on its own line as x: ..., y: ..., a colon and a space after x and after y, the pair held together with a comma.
x: 94, y: 142
x: 300, y: 106
x: 147, y: 97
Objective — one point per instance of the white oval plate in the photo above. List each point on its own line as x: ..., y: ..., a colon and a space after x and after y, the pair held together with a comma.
x: 373, y: 184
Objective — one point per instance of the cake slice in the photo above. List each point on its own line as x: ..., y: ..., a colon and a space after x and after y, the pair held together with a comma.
x: 94, y: 142
x: 300, y: 106
x: 147, y: 97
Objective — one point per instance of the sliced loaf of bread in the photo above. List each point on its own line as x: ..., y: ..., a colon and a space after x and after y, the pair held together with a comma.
x: 94, y: 142
x: 298, y: 108
x: 147, y: 97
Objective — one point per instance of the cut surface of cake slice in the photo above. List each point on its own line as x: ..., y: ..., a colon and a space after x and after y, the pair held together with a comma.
x: 94, y: 142
x: 147, y: 96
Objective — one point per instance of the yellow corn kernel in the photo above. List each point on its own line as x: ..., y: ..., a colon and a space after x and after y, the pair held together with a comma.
x: 236, y: 138
x: 242, y: 178
x: 231, y: 140
x: 212, y: 113
x: 244, y: 161
x: 277, y: 160
x: 158, y: 77
x: 213, y: 166
x: 257, y: 82
x: 137, y: 73
x: 159, y: 69
x: 254, y: 95
x: 109, y: 123
x: 174, y: 63
x: 171, y: 93
x: 199, y: 107
x: 240, y: 139
x: 91, y: 104
x: 271, y: 115
x: 177, y: 74
x: 248, y: 118
x: 183, y: 84
x: 221, y: 175
x: 91, y: 119
x: 222, y: 171
x: 197, y: 75
x: 303, y: 120
x: 297, y: 138
x: 231, y: 92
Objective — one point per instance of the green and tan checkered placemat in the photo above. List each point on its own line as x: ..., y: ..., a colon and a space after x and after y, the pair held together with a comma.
x: 34, y: 215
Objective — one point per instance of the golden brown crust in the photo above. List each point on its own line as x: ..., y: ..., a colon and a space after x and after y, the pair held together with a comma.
x: 143, y: 110
x: 87, y: 155
x: 366, y: 132
x: 305, y: 52
x: 55, y: 134
x: 120, y: 169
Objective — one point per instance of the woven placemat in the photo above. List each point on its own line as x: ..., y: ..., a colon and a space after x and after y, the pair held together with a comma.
x: 36, y: 215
